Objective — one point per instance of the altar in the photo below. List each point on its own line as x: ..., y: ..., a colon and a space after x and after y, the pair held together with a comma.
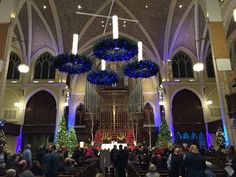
x: 109, y: 146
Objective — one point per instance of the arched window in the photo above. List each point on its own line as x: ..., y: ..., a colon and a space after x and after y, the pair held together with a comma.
x: 182, y: 66
x: 209, y: 66
x: 14, y: 62
x: 44, y: 68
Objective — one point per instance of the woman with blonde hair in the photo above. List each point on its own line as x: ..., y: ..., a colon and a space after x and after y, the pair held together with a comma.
x: 194, y: 163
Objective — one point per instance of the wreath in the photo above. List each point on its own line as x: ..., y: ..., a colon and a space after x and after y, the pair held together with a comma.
x: 141, y: 69
x: 115, y: 50
x: 102, y: 77
x: 72, y: 64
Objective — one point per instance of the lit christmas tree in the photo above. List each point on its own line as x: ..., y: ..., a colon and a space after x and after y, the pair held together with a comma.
x: 71, y: 141
x: 62, y: 133
x: 220, y: 138
x: 164, y: 136
x: 3, y: 141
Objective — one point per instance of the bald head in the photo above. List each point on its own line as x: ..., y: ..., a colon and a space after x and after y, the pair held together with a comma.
x: 22, y: 164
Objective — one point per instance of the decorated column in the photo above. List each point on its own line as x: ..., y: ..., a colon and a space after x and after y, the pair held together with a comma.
x: 222, y: 65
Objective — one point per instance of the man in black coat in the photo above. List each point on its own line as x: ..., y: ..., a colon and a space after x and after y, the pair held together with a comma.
x: 121, y: 162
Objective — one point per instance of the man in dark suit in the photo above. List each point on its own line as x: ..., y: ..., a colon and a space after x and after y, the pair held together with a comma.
x: 121, y: 162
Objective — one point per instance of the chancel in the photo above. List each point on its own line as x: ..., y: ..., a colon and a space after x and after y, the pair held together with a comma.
x: 147, y: 86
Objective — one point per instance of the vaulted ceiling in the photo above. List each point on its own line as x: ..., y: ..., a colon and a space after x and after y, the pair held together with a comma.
x: 163, y: 25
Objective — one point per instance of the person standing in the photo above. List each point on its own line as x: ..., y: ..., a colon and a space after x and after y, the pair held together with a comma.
x: 52, y: 162
x: 194, y: 163
x: 121, y: 162
x: 3, y: 157
x: 176, y: 163
x: 113, y: 154
x: 27, y: 155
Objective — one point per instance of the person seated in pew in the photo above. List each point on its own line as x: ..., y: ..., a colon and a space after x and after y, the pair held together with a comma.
x: 152, y: 171
x: 10, y: 173
x: 23, y: 171
x: 36, y: 169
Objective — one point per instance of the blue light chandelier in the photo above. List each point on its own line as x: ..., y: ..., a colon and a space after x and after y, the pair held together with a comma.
x: 141, y: 69
x: 72, y: 64
x: 115, y: 50
x: 102, y: 77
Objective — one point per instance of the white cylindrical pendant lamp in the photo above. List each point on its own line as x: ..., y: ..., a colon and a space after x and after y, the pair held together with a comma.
x: 140, y: 51
x: 103, y: 65
x: 115, y: 28
x: 75, y: 44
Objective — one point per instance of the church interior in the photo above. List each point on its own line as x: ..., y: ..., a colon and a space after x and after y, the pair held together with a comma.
x: 190, y: 46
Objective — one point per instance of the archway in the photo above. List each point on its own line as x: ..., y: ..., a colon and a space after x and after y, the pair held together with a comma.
x: 188, y: 119
x: 40, y: 120
x: 149, y: 132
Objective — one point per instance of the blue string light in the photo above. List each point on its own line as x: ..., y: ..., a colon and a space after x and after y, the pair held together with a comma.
x: 141, y: 69
x: 72, y: 64
x: 115, y: 50
x: 102, y: 77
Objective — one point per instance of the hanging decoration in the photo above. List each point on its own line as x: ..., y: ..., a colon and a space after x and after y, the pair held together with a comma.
x: 115, y: 50
x: 102, y: 77
x: 72, y: 64
x: 141, y: 69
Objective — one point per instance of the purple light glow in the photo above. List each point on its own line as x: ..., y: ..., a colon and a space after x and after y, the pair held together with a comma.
x: 19, y: 141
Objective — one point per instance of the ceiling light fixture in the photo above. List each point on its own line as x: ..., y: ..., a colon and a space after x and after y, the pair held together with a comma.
x: 180, y: 6
x: 45, y: 7
x: 79, y: 6
x: 146, y: 6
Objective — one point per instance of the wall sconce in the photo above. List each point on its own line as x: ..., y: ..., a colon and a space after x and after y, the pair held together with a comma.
x: 209, y: 102
x: 17, y: 104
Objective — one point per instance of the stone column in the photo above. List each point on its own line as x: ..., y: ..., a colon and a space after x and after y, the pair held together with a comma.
x: 221, y: 60
x: 6, y: 8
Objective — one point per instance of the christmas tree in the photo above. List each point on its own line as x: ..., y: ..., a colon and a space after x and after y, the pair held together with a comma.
x: 3, y: 141
x: 62, y: 133
x: 71, y: 141
x: 220, y: 139
x: 164, y: 136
